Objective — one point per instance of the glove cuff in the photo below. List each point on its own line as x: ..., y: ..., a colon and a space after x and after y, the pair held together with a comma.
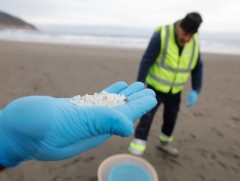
x: 4, y: 158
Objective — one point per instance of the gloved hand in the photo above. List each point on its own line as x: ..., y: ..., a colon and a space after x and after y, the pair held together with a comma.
x: 192, y: 98
x: 47, y: 128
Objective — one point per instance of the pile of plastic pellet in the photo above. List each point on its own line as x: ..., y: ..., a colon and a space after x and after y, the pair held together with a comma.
x: 99, y: 99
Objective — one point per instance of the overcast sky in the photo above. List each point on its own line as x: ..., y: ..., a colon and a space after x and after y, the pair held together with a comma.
x: 218, y: 15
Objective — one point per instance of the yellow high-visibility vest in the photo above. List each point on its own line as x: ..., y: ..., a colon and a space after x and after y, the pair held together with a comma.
x: 171, y: 71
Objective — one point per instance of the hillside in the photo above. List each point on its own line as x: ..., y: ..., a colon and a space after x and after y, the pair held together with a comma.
x: 9, y: 21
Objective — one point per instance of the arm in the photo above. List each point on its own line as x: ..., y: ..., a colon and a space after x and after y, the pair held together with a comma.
x: 149, y: 57
x: 197, y: 75
x: 47, y: 128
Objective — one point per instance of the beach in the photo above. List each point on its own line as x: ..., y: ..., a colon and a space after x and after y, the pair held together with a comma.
x: 206, y: 135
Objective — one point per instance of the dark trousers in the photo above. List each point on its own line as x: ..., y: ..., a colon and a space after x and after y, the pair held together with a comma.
x: 171, y: 104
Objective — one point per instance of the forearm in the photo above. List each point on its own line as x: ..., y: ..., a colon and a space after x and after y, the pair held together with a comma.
x: 149, y: 57
x: 143, y: 71
x: 197, y: 76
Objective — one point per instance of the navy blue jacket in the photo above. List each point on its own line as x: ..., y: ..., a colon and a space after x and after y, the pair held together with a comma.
x: 151, y: 54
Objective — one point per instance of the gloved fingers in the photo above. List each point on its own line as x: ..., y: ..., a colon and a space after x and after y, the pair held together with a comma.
x: 116, y: 87
x: 136, y: 108
x: 133, y: 88
x: 141, y: 93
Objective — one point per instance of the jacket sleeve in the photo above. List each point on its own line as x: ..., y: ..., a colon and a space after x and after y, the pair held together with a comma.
x: 197, y: 75
x: 149, y: 57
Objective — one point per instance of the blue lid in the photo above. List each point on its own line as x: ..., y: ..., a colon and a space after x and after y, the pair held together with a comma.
x: 129, y: 172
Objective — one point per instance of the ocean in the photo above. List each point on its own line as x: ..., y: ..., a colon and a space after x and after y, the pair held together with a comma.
x: 113, y: 36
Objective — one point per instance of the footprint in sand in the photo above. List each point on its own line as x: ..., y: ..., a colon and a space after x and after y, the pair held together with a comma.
x: 219, y: 133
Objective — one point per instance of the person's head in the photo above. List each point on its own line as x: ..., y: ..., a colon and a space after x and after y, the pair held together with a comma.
x: 187, y: 27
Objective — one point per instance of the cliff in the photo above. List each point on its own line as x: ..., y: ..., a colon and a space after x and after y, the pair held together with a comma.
x: 9, y: 21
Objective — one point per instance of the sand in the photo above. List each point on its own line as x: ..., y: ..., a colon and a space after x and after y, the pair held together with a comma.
x: 207, y: 135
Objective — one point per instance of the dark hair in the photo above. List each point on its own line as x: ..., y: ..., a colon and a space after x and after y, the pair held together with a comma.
x: 191, y: 22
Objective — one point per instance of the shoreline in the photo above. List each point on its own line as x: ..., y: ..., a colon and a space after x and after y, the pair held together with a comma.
x: 107, y: 46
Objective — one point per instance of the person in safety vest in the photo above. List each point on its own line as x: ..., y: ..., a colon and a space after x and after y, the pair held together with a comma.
x: 173, y: 54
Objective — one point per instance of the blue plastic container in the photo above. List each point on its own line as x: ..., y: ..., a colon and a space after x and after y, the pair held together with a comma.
x: 125, y: 167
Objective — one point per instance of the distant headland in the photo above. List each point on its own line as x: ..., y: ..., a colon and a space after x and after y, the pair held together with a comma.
x: 8, y: 21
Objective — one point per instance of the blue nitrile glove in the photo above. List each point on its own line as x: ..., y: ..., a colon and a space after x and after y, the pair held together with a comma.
x: 47, y: 128
x: 191, y: 98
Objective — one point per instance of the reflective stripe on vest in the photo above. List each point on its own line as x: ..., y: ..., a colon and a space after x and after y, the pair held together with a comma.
x: 171, y: 72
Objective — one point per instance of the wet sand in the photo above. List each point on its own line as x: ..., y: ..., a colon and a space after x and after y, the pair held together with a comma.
x: 207, y: 135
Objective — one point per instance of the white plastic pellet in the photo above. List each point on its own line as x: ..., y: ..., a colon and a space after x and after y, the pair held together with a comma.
x: 99, y: 99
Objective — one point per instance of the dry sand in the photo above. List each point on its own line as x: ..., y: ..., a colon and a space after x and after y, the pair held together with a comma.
x: 208, y: 135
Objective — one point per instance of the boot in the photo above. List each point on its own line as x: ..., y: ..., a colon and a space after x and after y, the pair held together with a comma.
x: 167, y: 148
